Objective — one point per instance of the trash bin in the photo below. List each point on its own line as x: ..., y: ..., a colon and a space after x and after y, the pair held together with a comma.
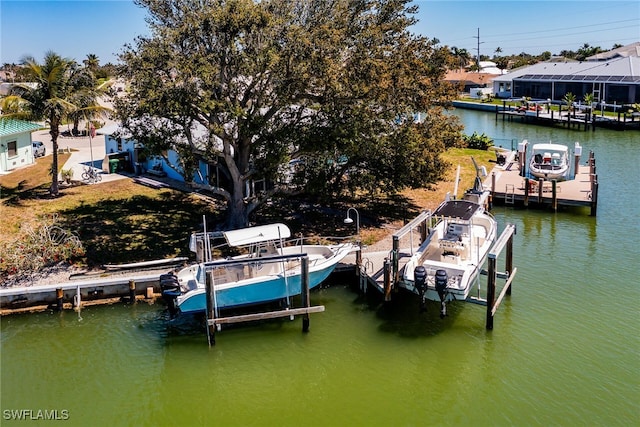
x: 113, y: 165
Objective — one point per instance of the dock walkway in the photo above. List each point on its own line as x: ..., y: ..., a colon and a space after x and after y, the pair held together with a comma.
x: 508, y: 186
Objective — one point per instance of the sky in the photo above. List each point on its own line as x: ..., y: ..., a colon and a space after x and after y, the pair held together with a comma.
x: 74, y: 29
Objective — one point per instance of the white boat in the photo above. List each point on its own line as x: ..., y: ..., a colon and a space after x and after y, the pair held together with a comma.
x: 549, y: 161
x: 268, y: 269
x: 447, y: 262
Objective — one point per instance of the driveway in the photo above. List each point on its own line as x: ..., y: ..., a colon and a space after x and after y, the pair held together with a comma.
x: 83, y: 150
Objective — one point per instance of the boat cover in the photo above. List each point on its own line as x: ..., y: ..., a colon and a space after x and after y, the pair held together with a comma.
x: 549, y: 147
x: 462, y: 209
x: 260, y: 233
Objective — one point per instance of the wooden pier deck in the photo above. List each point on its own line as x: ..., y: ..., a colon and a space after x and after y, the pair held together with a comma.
x: 508, y: 186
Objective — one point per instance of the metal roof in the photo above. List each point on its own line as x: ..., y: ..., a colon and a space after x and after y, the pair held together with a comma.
x: 618, y: 70
x: 13, y: 127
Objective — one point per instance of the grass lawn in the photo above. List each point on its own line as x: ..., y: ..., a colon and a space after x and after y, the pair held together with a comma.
x: 121, y: 221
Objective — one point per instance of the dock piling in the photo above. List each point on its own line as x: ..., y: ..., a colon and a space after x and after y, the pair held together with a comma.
x: 211, y: 312
x: 59, y: 299
x: 132, y: 291
x: 505, y: 240
x: 306, y: 300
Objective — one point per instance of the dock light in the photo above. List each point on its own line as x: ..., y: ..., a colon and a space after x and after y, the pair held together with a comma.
x: 349, y: 220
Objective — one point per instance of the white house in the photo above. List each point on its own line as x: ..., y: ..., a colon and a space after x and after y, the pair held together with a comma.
x: 612, y: 78
x: 16, y: 147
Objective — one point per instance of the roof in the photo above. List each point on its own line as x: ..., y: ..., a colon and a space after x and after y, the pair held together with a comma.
x: 14, y: 127
x: 462, y: 209
x: 468, y: 76
x: 261, y: 233
x: 632, y: 49
x: 625, y: 70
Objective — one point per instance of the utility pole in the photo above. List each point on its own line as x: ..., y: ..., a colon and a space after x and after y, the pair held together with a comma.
x: 478, y: 50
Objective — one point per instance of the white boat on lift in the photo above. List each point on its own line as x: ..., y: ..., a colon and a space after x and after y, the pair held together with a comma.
x: 266, y: 270
x: 447, y: 262
x: 549, y: 161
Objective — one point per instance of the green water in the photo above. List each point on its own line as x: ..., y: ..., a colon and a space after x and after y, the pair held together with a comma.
x: 565, y: 349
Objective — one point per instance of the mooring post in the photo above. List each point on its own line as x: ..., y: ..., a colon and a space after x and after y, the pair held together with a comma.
x: 306, y: 300
x: 132, y: 291
x: 493, y: 185
x: 540, y: 185
x: 554, y: 195
x: 594, y: 194
x: 491, y: 290
x: 509, y: 260
x: 526, y: 192
x: 386, y: 268
x: 59, y: 298
x: 211, y: 314
x: 394, y: 261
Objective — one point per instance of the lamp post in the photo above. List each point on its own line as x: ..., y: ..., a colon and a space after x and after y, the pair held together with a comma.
x: 349, y: 220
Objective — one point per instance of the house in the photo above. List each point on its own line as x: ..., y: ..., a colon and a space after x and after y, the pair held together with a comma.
x: 131, y: 156
x: 613, y: 81
x: 469, y: 80
x: 16, y: 147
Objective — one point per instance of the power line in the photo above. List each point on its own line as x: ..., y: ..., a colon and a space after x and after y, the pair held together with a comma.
x: 571, y: 28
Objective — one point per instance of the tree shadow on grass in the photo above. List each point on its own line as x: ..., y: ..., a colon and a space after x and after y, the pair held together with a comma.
x: 140, y: 228
x: 327, y: 219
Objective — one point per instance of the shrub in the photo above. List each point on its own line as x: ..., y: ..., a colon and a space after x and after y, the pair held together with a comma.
x: 39, y: 246
x: 478, y: 142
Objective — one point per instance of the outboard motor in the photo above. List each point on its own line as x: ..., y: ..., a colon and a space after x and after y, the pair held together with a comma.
x: 420, y: 282
x: 170, y: 288
x: 441, y: 287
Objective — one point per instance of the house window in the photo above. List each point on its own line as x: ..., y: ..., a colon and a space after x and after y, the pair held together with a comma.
x: 119, y: 147
x: 12, y: 147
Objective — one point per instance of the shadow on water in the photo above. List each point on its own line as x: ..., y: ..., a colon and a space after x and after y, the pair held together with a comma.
x: 404, y: 317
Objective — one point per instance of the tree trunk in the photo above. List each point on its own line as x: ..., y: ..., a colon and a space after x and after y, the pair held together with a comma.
x: 54, y: 132
x: 237, y: 212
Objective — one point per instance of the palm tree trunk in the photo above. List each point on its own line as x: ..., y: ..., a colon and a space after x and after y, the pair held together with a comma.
x: 54, y: 132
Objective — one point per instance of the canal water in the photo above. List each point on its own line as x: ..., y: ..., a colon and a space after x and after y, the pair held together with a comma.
x: 565, y: 349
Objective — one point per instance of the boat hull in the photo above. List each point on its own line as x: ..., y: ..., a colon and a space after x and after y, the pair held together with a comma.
x: 251, y: 293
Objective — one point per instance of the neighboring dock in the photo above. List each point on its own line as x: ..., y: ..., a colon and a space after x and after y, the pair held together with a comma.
x: 509, y: 186
x: 540, y: 113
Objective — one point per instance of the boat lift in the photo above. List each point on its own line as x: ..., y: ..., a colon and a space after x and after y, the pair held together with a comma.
x: 394, y: 260
x: 214, y: 322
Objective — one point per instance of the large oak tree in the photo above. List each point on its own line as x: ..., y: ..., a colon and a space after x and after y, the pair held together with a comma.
x: 335, y: 83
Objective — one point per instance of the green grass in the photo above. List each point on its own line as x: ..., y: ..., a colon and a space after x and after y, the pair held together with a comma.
x: 121, y: 221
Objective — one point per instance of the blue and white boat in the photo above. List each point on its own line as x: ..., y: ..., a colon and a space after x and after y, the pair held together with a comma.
x: 266, y: 270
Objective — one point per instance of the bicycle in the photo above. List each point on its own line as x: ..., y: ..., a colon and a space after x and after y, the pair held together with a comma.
x: 91, y: 175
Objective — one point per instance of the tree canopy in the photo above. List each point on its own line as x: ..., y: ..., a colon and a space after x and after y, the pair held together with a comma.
x: 59, y: 91
x: 334, y: 84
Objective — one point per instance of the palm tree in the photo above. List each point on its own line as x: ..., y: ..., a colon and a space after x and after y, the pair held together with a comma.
x: 52, y: 99
x: 462, y: 55
x: 497, y: 51
x: 92, y: 62
x: 569, y: 99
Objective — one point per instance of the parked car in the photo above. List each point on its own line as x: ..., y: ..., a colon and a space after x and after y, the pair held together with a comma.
x: 39, y: 149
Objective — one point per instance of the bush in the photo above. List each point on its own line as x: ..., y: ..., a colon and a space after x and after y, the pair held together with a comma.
x: 36, y: 247
x: 478, y: 142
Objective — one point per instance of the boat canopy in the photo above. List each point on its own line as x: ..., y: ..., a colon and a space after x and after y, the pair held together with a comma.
x: 549, y: 147
x: 260, y: 233
x: 462, y: 209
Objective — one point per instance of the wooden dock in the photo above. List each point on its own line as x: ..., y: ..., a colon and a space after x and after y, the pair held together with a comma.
x: 571, y: 120
x: 383, y: 270
x: 509, y: 187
